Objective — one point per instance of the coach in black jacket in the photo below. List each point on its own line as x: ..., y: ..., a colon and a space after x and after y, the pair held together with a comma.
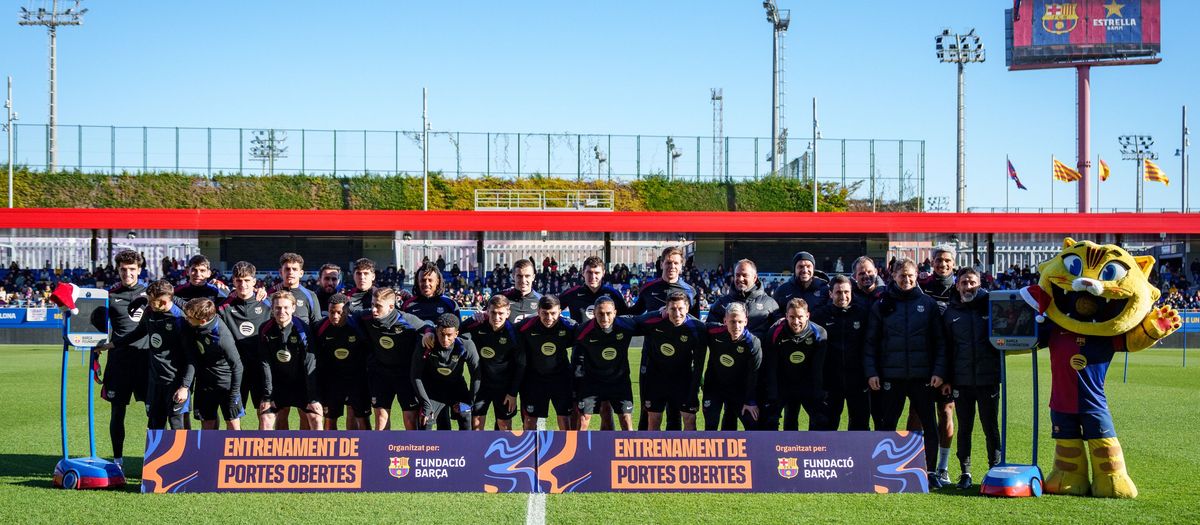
x: 976, y: 370
x: 905, y: 357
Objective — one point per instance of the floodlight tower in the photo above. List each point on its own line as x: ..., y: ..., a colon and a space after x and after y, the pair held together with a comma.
x: 1137, y: 147
x: 8, y: 130
x: 718, y: 104
x: 779, y: 19
x: 52, y: 19
x: 960, y: 49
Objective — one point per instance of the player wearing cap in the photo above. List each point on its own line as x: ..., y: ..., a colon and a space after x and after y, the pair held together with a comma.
x: 214, y: 355
x: 289, y: 368
x: 437, y: 376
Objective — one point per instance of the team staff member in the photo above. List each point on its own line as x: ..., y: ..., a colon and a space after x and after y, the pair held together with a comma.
x: 804, y: 284
x: 868, y: 286
x: 199, y: 271
x: 761, y: 312
x: 673, y: 352
x: 905, y: 357
x: 125, y: 371
x: 501, y: 364
x: 170, y: 370
x: 797, y: 348
x: 392, y: 336
x: 214, y: 355
x: 291, y: 270
x: 522, y: 298
x: 734, y: 357
x: 244, y: 311
x: 546, y: 341
x: 940, y: 286
x: 437, y: 376
x: 364, y: 285
x: 976, y: 370
x: 289, y: 368
x: 341, y: 348
x: 427, y: 301
x: 600, y: 360
x: 845, y: 322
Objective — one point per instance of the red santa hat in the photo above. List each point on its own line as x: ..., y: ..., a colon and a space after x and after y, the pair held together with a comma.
x: 1036, y: 297
x: 65, y: 295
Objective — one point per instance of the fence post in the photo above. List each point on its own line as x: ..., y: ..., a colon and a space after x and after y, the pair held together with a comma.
x: 639, y: 157
x: 145, y: 154
x: 79, y: 145
x: 112, y: 150
x: 518, y: 156
x: 489, y: 153
x: 396, y: 151
x: 697, y: 159
x: 843, y: 163
x: 335, y: 152
x: 900, y: 174
x: 176, y: 149
x: 755, y: 158
x: 364, y: 152
x: 547, y: 154
x: 609, y: 160
x: 241, y: 151
x: 579, y: 159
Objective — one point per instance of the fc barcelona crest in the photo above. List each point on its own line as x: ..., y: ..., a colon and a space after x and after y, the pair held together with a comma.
x: 788, y: 468
x: 398, y: 467
x: 1060, y: 19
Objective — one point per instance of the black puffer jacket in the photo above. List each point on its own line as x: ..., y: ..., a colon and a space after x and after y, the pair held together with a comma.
x: 975, y: 360
x: 904, y: 337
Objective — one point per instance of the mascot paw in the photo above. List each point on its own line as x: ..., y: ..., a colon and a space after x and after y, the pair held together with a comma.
x: 1162, y: 321
x: 1109, y: 477
x: 1070, y: 472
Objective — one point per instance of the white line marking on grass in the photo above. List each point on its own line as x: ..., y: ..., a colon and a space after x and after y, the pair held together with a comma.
x: 535, y: 508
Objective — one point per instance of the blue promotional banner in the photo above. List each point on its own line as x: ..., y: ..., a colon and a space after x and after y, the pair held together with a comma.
x: 523, y: 462
x: 31, y: 318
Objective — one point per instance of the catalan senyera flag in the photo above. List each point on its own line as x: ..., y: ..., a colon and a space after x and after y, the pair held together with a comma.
x: 1104, y: 171
x: 1065, y: 173
x: 1153, y: 173
x: 1012, y: 174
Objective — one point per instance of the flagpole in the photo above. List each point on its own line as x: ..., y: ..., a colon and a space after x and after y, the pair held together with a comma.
x: 1099, y: 171
x: 1007, y: 163
x: 1052, y: 183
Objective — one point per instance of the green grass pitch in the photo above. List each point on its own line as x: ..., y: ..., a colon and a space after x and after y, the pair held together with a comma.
x: 1155, y: 414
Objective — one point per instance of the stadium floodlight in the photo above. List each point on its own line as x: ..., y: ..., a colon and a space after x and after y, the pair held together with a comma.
x: 1137, y: 148
x: 51, y: 20
x: 960, y: 49
x: 780, y: 19
x: 8, y: 130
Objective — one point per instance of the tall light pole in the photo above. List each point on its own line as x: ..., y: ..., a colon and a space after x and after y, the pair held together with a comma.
x: 779, y: 19
x: 960, y: 49
x: 425, y: 146
x: 1183, y: 162
x: 52, y: 19
x: 1137, y: 147
x: 8, y: 129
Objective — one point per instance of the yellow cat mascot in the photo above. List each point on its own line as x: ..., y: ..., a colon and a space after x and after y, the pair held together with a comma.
x: 1094, y: 301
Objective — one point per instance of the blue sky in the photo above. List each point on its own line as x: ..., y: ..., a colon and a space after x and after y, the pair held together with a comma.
x: 610, y: 67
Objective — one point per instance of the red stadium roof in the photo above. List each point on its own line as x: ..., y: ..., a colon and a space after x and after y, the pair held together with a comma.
x: 681, y: 222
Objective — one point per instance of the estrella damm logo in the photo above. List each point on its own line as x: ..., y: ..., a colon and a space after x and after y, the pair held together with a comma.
x: 398, y: 467
x: 1079, y: 362
x: 548, y: 349
x: 1060, y: 19
x: 487, y: 352
x: 609, y: 354
x: 667, y: 349
x: 788, y: 468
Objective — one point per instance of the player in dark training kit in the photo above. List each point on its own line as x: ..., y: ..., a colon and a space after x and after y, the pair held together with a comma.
x: 581, y: 299
x: 291, y: 270
x: 170, y: 371
x: 673, y: 354
x: 427, y: 301
x: 329, y: 282
x: 501, y: 364
x: 244, y: 313
x: 214, y: 355
x: 341, y: 348
x: 437, y: 376
x: 289, y: 368
x: 653, y: 296
x: 522, y: 298
x: 364, y: 285
x: 125, y: 371
x: 600, y: 360
x: 734, y: 357
x: 797, y: 350
x: 199, y: 271
x: 392, y: 336
x: 546, y: 340
x: 761, y: 312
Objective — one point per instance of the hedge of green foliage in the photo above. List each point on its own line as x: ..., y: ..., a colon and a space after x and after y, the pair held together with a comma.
x: 33, y: 189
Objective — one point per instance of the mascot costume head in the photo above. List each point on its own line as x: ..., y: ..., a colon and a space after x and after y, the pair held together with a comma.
x: 1095, y: 301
